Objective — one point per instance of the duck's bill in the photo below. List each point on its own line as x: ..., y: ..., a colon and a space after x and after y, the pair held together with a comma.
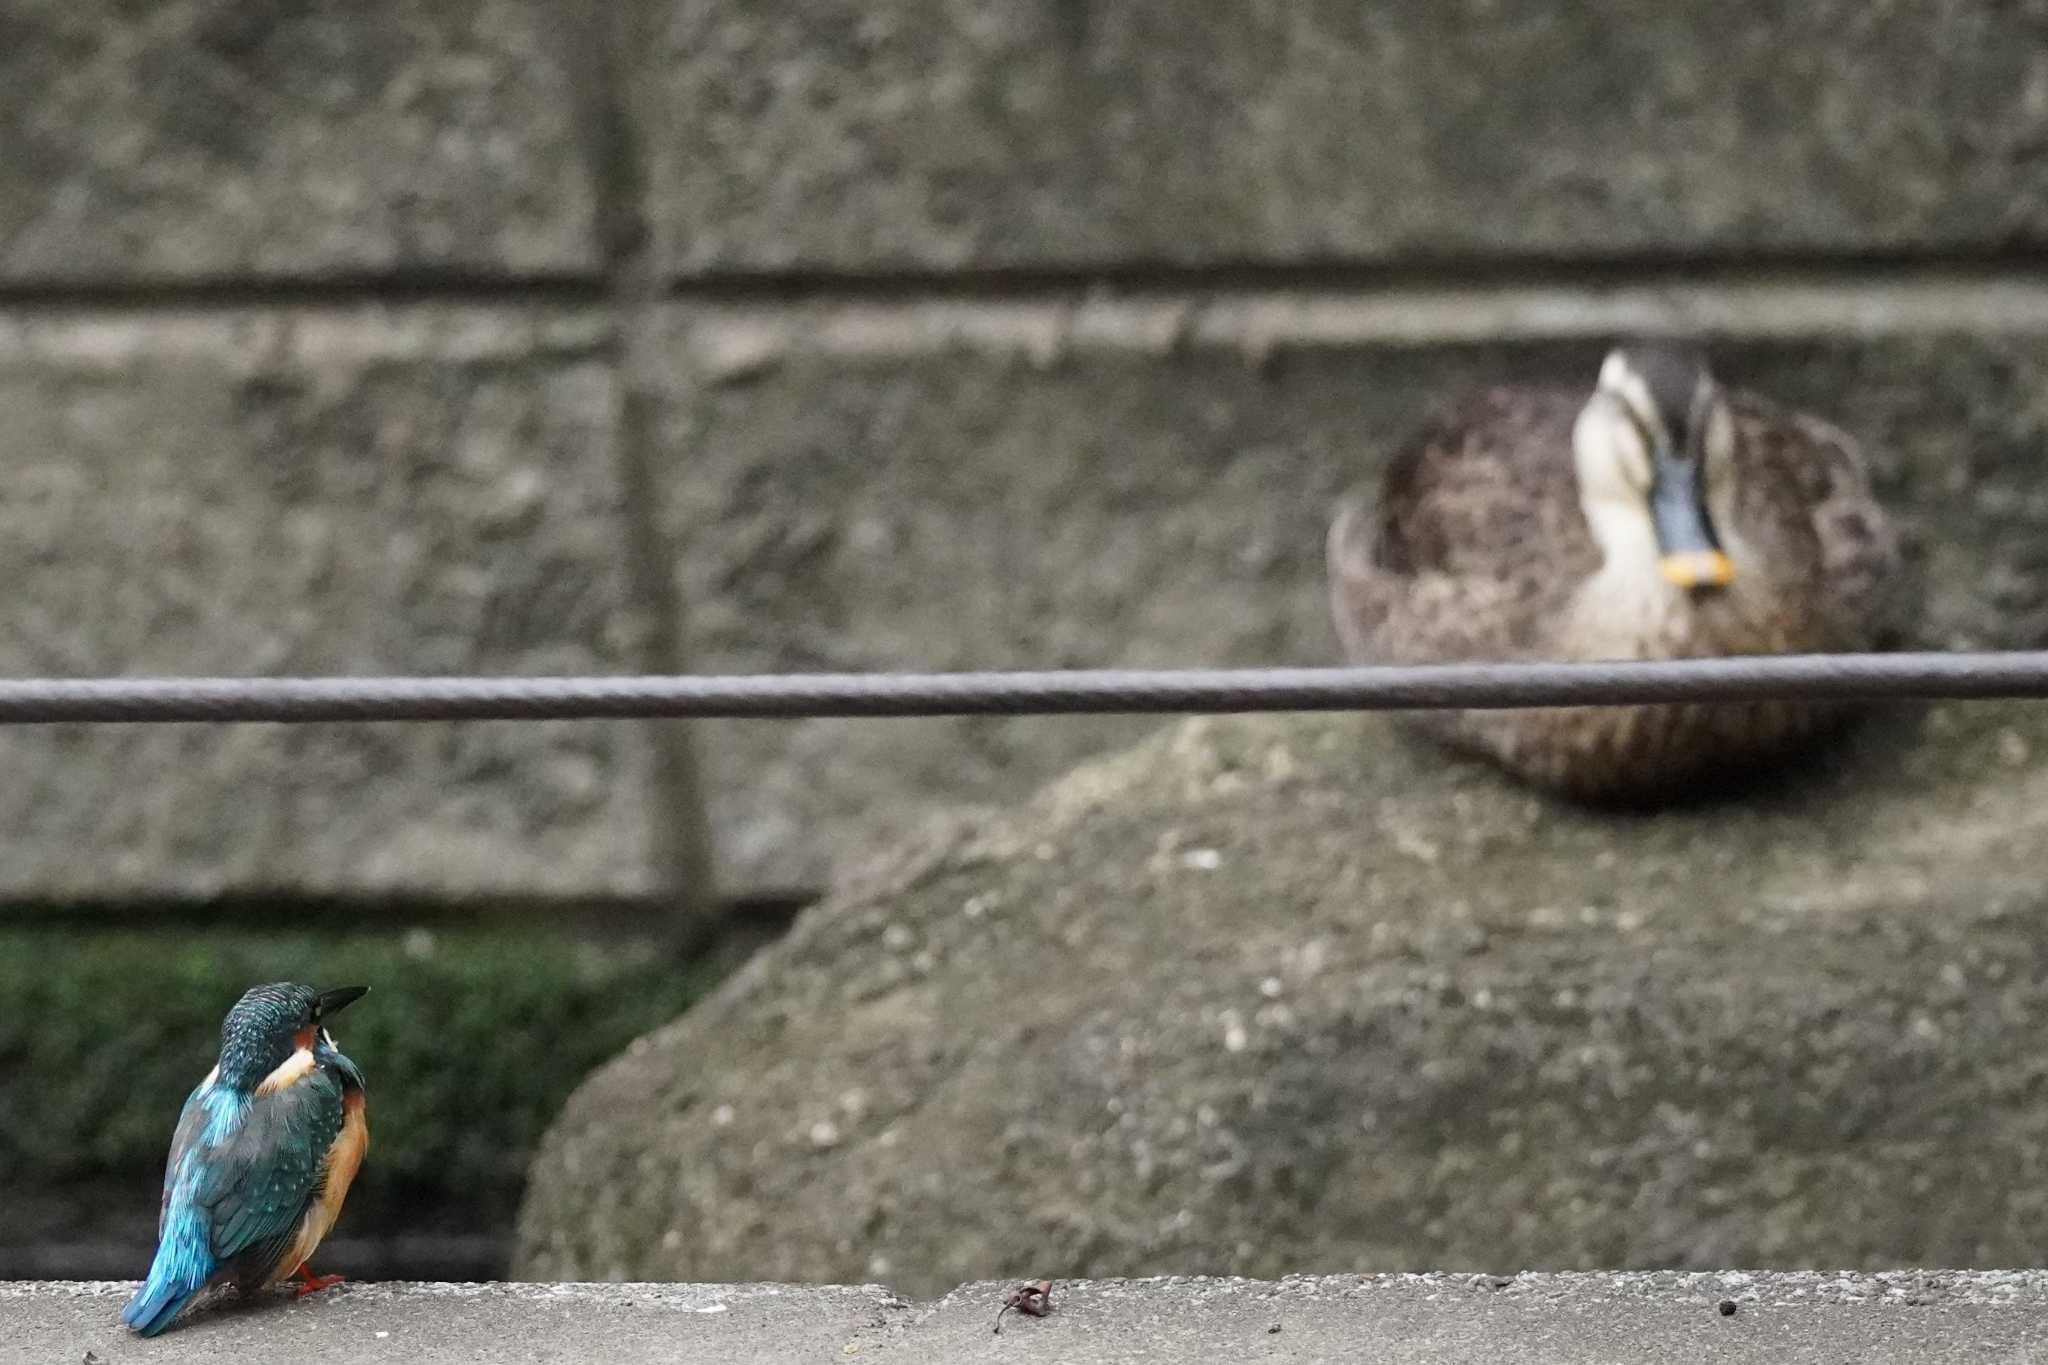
x: 1697, y: 569
x: 340, y: 998
x: 1689, y: 553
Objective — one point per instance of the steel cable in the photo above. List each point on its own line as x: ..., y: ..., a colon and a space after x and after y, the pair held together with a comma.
x: 32, y: 701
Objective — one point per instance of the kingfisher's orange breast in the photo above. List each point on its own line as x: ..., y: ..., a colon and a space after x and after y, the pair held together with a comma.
x: 344, y: 1159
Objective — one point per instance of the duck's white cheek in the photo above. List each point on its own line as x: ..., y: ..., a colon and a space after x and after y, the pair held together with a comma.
x: 1721, y: 506
x: 328, y: 1038
x: 1720, y: 457
x: 1720, y: 436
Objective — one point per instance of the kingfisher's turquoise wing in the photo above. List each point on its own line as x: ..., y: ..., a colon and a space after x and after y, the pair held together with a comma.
x: 260, y: 1179
x: 191, y: 1119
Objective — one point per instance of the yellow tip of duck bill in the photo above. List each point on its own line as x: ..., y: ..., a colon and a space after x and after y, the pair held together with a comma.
x: 1698, y: 569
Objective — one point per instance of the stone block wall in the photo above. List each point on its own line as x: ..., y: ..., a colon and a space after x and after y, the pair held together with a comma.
x: 501, y: 335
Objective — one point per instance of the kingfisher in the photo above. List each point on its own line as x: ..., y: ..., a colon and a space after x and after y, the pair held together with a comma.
x: 264, y: 1153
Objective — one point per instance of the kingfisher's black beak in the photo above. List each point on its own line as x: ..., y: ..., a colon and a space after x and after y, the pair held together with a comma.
x: 338, y: 999
x: 1691, y: 554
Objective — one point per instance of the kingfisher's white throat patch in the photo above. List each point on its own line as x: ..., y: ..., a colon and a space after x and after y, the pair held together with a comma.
x: 289, y: 1072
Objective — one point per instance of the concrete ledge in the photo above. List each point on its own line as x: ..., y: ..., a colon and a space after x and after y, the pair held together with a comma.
x: 1922, y: 1316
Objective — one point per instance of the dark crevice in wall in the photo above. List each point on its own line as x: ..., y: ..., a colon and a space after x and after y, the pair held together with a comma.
x: 342, y: 290
x: 426, y: 1256
x: 1335, y: 277
x: 632, y: 261
x: 257, y: 911
x: 608, y: 35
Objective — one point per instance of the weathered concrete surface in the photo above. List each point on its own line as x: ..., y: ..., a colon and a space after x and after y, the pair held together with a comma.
x: 49, y: 1323
x: 1284, y: 994
x: 944, y: 133
x: 1928, y: 1318
x: 870, y: 489
x: 192, y: 139
x: 308, y: 492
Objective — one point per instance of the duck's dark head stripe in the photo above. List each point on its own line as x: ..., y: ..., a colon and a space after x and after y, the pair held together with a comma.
x: 1675, y: 375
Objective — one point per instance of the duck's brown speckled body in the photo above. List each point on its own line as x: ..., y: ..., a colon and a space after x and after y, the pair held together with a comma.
x: 1478, y: 547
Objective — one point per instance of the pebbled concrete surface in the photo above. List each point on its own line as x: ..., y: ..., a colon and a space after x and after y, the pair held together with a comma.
x: 58, y: 1323
x: 1932, y: 1317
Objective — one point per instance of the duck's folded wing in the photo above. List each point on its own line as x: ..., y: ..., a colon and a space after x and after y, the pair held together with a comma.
x: 1859, y: 547
x: 260, y: 1179
x: 1811, y: 479
x: 1361, y: 592
x: 1472, y: 538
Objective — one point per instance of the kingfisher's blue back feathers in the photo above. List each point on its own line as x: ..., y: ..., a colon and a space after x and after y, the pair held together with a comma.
x: 246, y: 1163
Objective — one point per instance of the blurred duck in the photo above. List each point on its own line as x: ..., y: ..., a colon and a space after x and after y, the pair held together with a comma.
x: 1661, y: 517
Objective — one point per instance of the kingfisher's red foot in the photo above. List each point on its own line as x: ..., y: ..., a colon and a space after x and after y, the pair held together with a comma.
x: 309, y: 1283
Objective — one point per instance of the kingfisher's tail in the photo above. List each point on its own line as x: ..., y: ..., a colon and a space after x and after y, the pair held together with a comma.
x: 155, y: 1305
x: 183, y: 1265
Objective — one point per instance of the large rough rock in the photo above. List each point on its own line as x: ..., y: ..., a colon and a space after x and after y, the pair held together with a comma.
x: 1076, y: 133
x: 1292, y: 994
x: 851, y: 490
x: 428, y: 490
